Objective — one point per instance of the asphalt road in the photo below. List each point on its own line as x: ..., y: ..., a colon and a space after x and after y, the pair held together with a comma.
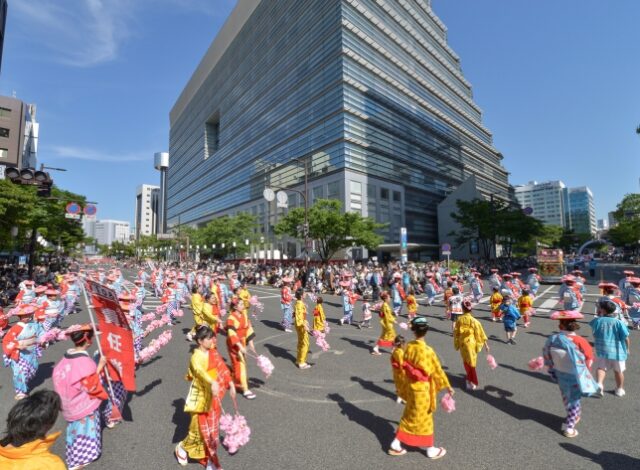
x: 341, y: 413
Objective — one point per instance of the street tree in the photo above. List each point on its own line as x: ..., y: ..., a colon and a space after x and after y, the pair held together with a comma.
x: 228, y: 230
x: 627, y: 216
x: 331, y: 228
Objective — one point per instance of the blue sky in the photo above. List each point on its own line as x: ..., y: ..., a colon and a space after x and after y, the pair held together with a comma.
x: 557, y: 81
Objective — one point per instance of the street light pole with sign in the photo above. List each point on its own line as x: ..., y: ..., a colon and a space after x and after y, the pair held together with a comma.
x: 446, y: 251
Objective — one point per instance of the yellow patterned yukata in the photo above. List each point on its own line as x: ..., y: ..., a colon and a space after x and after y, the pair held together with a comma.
x: 387, y: 321
x: 424, y: 379
x: 399, y: 379
x: 318, y: 318
x: 300, y: 321
x: 197, y: 304
x: 469, y: 338
x: 198, y: 401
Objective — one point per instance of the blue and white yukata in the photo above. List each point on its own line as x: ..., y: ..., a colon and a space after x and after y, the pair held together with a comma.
x: 633, y: 301
x: 476, y: 289
x: 54, y: 312
x: 396, y: 299
x: 568, y: 298
x: 533, y: 283
x: 430, y: 292
x: 24, y: 364
x: 347, y: 308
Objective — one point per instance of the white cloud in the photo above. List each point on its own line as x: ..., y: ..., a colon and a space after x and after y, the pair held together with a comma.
x: 80, y: 33
x: 80, y: 153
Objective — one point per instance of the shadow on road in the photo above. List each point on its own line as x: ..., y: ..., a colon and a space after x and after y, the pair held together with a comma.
x: 607, y: 460
x: 358, y: 343
x: 372, y: 387
x: 271, y: 324
x: 148, y: 388
x: 277, y: 351
x: 535, y: 375
x: 516, y: 410
x: 154, y: 359
x: 44, y: 372
x: 382, y: 428
x: 180, y: 419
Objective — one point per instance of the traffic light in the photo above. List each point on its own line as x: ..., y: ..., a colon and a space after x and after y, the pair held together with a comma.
x: 31, y: 176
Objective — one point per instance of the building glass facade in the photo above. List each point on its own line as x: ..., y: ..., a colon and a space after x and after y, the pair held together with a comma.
x: 583, y: 212
x: 367, y: 92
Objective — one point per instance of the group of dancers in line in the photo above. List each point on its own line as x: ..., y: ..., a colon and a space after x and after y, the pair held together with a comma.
x: 88, y: 400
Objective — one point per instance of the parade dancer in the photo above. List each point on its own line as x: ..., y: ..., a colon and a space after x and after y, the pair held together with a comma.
x: 525, y: 305
x: 366, y: 312
x: 197, y: 305
x: 476, y: 287
x: 71, y: 295
x: 397, y: 366
x: 27, y: 293
x: 170, y: 299
x: 397, y: 294
x: 567, y: 356
x: 455, y: 306
x: 286, y: 304
x: 430, y: 289
x: 469, y: 338
x: 135, y: 321
x: 77, y: 380
x: 210, y: 379
x: 319, y: 318
x: 568, y: 294
x: 302, y: 329
x: 633, y: 297
x: 580, y: 281
x: 624, y: 285
x: 239, y: 336
x: 21, y: 350
x: 510, y: 317
x: 348, y: 301
x: 424, y: 379
x: 622, y: 309
x: 412, y: 304
x: 53, y: 310
x: 533, y: 281
x: 495, y: 301
x: 387, y: 321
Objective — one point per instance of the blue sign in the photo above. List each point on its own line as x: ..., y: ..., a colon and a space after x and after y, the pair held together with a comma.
x: 528, y: 210
x: 22, y: 259
x: 446, y: 247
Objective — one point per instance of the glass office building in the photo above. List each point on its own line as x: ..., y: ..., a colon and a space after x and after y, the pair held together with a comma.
x: 366, y: 93
x: 583, y: 211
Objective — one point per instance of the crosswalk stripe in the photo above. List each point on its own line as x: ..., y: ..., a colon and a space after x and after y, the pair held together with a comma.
x: 547, y: 304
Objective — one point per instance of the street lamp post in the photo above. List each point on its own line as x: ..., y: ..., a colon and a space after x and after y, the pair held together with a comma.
x: 269, y: 196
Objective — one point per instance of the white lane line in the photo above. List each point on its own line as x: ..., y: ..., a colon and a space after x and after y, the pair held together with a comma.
x: 268, y: 296
x: 484, y: 299
x: 545, y: 291
x: 548, y: 304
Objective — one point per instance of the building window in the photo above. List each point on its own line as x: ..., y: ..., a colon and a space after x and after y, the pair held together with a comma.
x: 212, y: 135
x: 5, y: 112
x: 317, y: 193
x: 397, y: 197
x: 371, y: 191
x: 4, y: 153
x: 333, y: 190
x: 4, y: 132
x: 384, y: 194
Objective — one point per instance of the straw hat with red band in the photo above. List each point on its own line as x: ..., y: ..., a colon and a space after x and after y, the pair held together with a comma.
x: 507, y: 275
x: 41, y: 289
x: 51, y: 292
x: 73, y: 328
x: 125, y: 296
x: 566, y: 315
x: 515, y: 274
x: 345, y: 283
x: 28, y: 282
x: 568, y: 278
x: 397, y: 275
x: 25, y: 311
x: 493, y: 270
x: 533, y: 270
x: 634, y: 280
x: 429, y: 274
x: 138, y: 282
x: 288, y: 280
x: 607, y: 285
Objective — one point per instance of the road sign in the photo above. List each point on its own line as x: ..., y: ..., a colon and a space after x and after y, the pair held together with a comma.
x: 446, y: 247
x: 72, y: 216
x: 528, y: 210
x: 90, y: 210
x: 283, y: 199
x: 74, y: 209
x: 22, y: 259
x: 403, y: 245
x: 268, y: 194
x: 166, y: 236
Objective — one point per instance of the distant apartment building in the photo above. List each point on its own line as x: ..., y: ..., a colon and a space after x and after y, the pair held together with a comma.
x: 555, y: 204
x: 18, y: 133
x: 110, y: 231
x: 147, y: 210
x: 602, y: 224
x: 612, y: 219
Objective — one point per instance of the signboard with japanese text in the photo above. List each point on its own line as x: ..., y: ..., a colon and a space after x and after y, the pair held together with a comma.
x: 403, y: 245
x: 116, y: 338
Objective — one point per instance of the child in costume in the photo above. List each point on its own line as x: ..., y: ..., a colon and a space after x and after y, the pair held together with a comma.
x: 366, y: 313
x: 455, y: 306
x: 197, y: 304
x: 469, y: 338
x: 348, y: 300
x: 387, y: 321
x: 210, y: 379
x: 510, y: 317
x: 77, y: 380
x: 533, y: 281
x: 633, y: 297
x: 448, y: 292
x: 239, y: 335
x: 21, y: 350
x: 397, y: 366
x: 424, y: 379
x: 285, y: 304
x: 525, y: 305
x: 495, y: 301
x: 567, y: 356
x: 412, y: 304
x: 302, y: 329
x: 318, y: 316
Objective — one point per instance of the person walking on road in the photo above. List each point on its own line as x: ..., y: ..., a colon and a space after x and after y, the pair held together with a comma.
x: 302, y: 329
x: 469, y: 338
x: 424, y: 379
x: 387, y: 321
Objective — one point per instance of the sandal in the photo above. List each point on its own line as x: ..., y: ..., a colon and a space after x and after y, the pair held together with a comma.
x: 249, y: 395
x: 441, y: 453
x: 570, y: 433
x: 182, y: 460
x: 376, y: 353
x: 396, y: 453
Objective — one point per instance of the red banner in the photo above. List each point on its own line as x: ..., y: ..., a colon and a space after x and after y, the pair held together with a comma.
x: 116, y: 337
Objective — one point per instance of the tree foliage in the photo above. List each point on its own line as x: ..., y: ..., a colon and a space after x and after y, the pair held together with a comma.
x: 331, y: 228
x: 495, y: 221
x: 627, y: 215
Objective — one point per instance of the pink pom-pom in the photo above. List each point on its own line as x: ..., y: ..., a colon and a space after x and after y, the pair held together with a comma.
x: 536, y: 363
x: 265, y: 365
x: 447, y: 403
x: 160, y: 309
x: 321, y: 342
x: 312, y: 297
x: 491, y: 361
x: 50, y: 336
x: 237, y: 432
x: 404, y: 325
x: 327, y: 328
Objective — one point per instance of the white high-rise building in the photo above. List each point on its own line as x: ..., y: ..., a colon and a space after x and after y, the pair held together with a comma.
x: 147, y: 207
x: 109, y: 231
x: 549, y: 201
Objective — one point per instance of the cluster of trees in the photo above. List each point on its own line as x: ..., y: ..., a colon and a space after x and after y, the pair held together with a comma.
x: 22, y: 210
x: 627, y: 215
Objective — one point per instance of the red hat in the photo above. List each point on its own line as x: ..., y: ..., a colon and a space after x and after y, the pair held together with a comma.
x: 628, y: 272
x: 429, y: 274
x: 568, y: 278
x: 533, y: 270
x: 170, y: 281
x: 29, y: 282
x: 74, y: 328
x: 506, y: 275
x: 41, y: 289
x: 607, y: 285
x: 287, y: 279
x: 566, y: 315
x: 51, y: 292
x: 454, y: 277
x: 493, y: 270
x: 634, y: 280
x: 515, y: 274
x: 397, y: 275
x: 576, y: 271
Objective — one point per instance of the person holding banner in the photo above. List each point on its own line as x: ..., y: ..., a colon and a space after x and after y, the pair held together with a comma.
x: 210, y: 379
x: 21, y: 349
x: 77, y: 380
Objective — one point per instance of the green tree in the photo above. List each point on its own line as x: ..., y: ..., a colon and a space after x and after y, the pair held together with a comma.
x: 331, y: 228
x: 227, y: 230
x: 627, y: 215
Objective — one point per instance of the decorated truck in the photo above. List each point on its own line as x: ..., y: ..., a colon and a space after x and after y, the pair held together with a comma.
x: 551, y: 265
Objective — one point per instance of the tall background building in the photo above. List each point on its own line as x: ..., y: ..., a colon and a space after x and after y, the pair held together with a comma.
x: 555, y: 204
x: 18, y: 133
x: 368, y: 95
x: 147, y: 210
x: 109, y: 231
x: 4, y: 6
